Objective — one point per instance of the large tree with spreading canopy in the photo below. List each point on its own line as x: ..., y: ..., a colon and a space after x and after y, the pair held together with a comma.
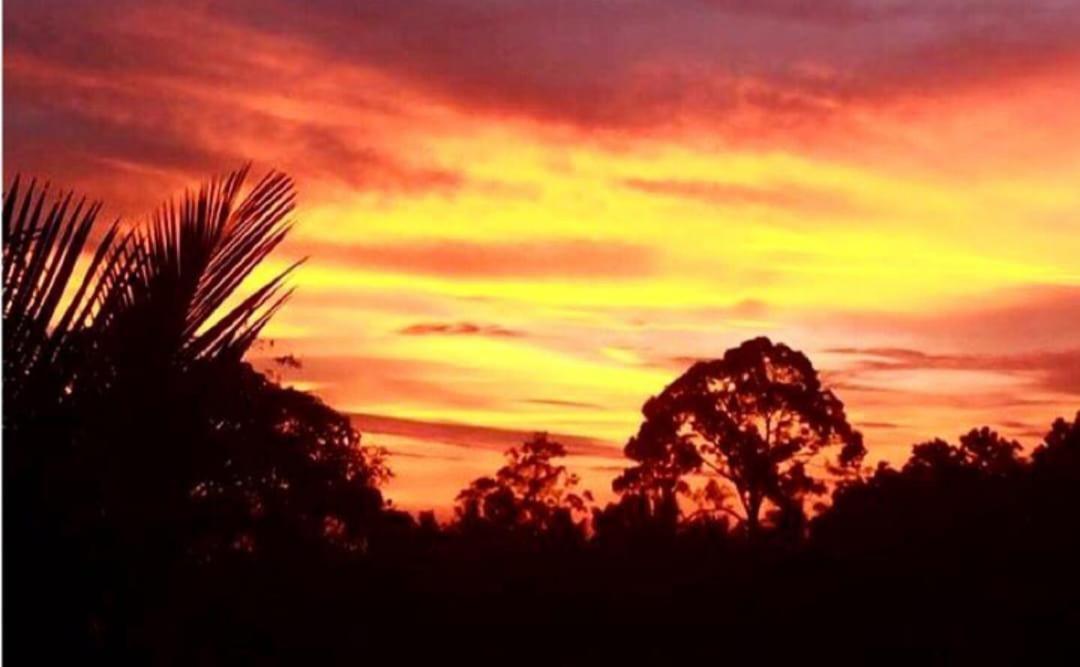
x: 739, y: 435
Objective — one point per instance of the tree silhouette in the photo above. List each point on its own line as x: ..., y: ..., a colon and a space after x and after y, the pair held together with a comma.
x: 1055, y: 489
x: 982, y: 451
x: 42, y: 245
x: 135, y: 438
x: 151, y: 296
x: 284, y: 470
x: 530, y: 496
x: 1059, y: 454
x: 957, y: 497
x: 165, y: 502
x: 748, y: 423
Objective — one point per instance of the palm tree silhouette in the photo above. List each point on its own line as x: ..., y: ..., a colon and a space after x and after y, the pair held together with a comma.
x: 150, y: 296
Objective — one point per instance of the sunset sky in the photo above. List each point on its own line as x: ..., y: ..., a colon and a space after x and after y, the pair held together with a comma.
x: 528, y: 215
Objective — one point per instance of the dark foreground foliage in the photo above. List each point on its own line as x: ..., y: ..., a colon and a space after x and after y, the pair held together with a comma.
x: 167, y: 504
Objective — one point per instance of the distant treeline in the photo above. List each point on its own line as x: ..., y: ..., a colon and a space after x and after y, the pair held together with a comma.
x: 166, y: 503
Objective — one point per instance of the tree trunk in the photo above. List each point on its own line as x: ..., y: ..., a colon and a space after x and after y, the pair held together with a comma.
x: 753, y: 511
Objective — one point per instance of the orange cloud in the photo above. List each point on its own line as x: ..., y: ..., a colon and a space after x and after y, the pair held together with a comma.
x: 457, y: 329
x: 558, y: 258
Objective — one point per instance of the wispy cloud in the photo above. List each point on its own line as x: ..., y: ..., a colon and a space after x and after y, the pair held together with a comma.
x: 789, y: 196
x: 561, y: 403
x: 1056, y: 371
x: 477, y: 436
x: 458, y: 329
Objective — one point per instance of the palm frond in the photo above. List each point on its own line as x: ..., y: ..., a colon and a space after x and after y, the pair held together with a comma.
x: 42, y: 246
x: 176, y: 274
x: 152, y: 295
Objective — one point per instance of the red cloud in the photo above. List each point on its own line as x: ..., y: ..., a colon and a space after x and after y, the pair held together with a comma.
x: 555, y: 259
x: 786, y: 63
